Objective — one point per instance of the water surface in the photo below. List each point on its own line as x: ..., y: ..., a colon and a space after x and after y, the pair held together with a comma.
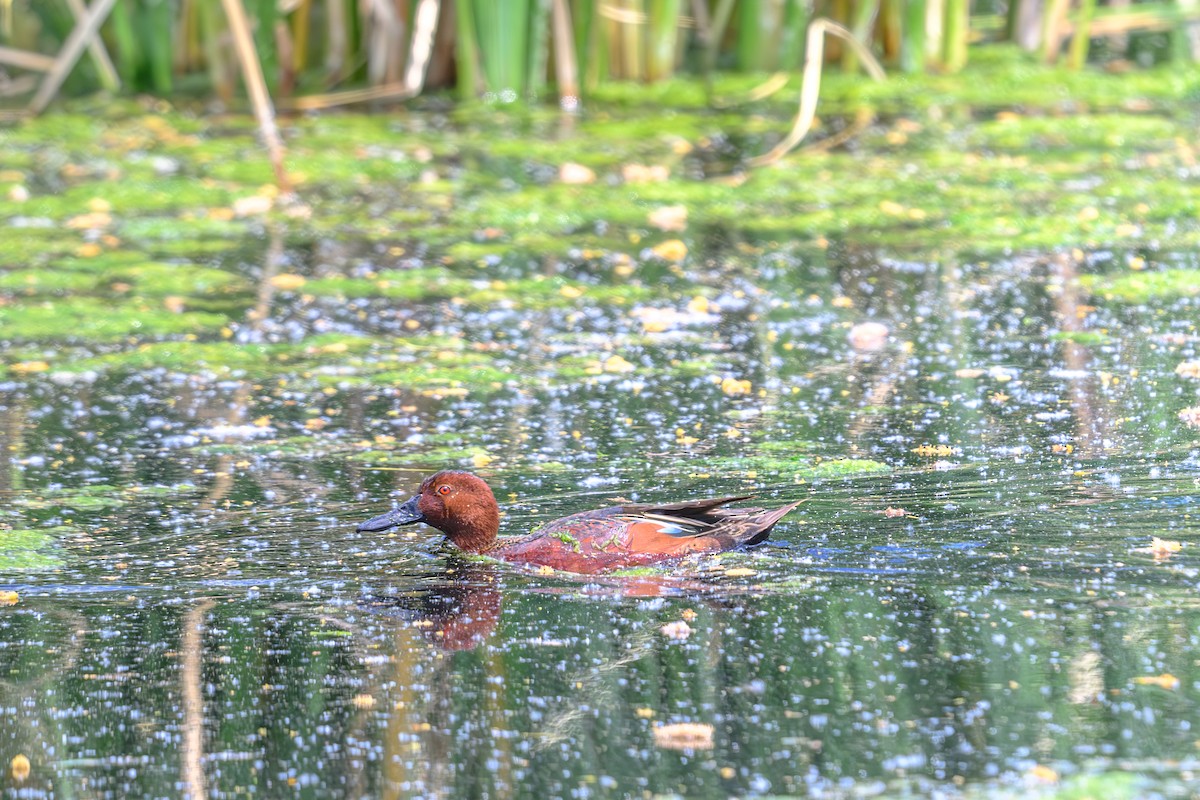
x: 990, y: 589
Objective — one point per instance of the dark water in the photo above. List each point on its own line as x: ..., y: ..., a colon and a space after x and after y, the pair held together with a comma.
x: 974, y: 606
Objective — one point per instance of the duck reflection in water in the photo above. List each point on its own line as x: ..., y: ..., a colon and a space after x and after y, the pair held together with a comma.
x: 456, y: 608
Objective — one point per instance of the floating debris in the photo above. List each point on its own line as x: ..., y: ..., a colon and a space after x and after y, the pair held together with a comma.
x: 936, y: 450
x: 641, y: 173
x: 1189, y: 369
x: 288, y: 281
x: 684, y: 736
x: 617, y: 364
x: 1165, y: 681
x: 669, y: 218
x: 734, y: 387
x: 572, y: 173
x: 869, y: 337
x: 253, y: 206
x: 1041, y: 774
x: 670, y: 250
x: 1161, y: 549
x: 678, y: 630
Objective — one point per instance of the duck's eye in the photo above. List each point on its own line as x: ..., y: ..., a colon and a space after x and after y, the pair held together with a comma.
x: 443, y: 490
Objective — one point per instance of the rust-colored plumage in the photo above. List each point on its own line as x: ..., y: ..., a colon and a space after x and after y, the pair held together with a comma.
x: 462, y: 506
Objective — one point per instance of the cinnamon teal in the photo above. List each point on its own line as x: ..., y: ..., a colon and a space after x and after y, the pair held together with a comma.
x: 463, y: 507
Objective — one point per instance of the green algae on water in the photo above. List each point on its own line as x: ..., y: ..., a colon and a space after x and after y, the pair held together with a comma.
x: 1086, y: 338
x: 25, y: 550
x: 82, y: 318
x: 1144, y: 287
x: 843, y: 468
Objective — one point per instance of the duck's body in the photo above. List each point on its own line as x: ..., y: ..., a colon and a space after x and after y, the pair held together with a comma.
x: 618, y: 537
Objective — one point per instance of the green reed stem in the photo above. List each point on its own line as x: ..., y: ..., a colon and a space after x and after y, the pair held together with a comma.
x: 467, y: 51
x: 955, y: 34
x: 863, y: 16
x: 663, y: 38
x: 1082, y: 37
x: 912, y: 43
x: 791, y: 41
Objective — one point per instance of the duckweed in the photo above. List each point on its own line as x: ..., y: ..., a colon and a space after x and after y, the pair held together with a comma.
x: 844, y: 468
x: 1090, y: 338
x: 1144, y: 287
x: 82, y: 318
x: 23, y: 550
x: 88, y: 498
x: 568, y: 539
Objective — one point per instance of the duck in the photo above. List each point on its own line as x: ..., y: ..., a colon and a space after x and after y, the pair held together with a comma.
x: 461, y: 505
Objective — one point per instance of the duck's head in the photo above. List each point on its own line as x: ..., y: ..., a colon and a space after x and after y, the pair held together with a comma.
x: 458, y: 504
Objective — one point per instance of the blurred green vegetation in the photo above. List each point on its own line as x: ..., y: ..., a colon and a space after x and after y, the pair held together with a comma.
x: 519, y: 49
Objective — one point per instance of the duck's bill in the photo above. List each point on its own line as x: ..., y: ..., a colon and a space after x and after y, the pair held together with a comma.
x: 404, y: 515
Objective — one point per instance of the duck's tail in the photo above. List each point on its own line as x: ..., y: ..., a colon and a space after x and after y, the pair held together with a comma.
x: 755, y: 529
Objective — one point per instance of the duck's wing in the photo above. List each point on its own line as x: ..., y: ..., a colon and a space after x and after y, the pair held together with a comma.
x: 724, y: 528
x: 689, y: 509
